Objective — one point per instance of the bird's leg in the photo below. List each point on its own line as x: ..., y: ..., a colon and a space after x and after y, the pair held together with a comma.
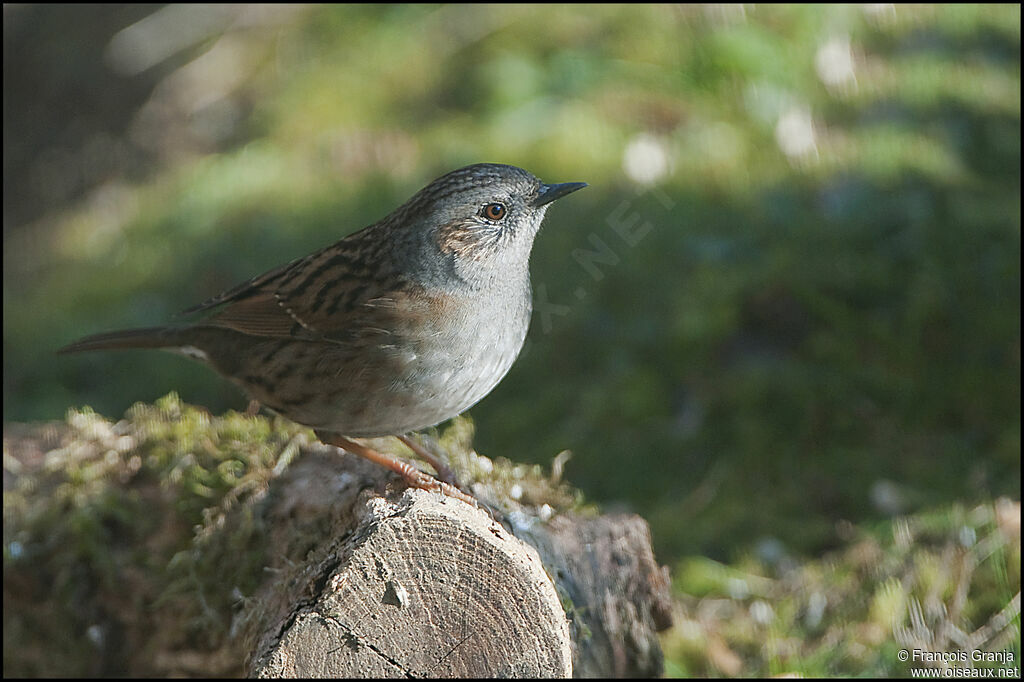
x: 412, y: 475
x: 444, y: 472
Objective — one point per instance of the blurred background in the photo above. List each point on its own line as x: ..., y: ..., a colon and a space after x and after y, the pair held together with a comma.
x: 788, y: 304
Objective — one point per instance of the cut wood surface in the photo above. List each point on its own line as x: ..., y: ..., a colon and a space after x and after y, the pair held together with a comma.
x: 424, y: 586
x: 350, y: 574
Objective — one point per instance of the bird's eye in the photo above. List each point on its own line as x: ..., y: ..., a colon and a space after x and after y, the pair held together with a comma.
x: 493, y: 211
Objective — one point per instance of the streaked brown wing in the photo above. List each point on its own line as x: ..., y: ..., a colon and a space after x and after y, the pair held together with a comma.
x: 321, y: 296
x: 260, y: 315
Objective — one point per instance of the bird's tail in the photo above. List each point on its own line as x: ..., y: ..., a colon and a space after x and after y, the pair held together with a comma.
x: 150, y: 337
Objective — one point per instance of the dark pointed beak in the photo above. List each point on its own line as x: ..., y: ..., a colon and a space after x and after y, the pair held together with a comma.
x: 549, y: 193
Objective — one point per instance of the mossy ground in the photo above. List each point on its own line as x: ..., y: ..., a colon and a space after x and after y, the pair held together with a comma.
x: 153, y: 525
x: 132, y: 519
x: 149, y: 534
x: 941, y: 581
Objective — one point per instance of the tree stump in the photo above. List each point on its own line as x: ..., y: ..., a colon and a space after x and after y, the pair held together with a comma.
x: 424, y: 586
x: 351, y: 574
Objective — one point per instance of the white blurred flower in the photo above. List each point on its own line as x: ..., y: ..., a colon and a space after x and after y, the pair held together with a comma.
x: 761, y: 612
x: 834, y: 63
x: 815, y: 610
x: 645, y: 160
x: 794, y: 133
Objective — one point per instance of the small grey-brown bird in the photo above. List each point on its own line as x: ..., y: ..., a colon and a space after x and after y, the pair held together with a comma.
x: 394, y: 328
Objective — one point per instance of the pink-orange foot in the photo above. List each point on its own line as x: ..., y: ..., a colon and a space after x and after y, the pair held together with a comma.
x: 412, y: 475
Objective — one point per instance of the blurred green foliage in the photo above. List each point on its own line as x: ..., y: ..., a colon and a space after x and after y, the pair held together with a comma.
x: 941, y: 582
x: 812, y: 313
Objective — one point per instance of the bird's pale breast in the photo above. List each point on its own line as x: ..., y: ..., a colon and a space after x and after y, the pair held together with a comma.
x: 416, y: 361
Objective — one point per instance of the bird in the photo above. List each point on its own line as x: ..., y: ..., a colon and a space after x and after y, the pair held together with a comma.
x: 394, y: 328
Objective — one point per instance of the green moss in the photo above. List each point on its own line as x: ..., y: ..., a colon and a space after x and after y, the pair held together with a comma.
x: 159, y: 511
x: 149, y: 534
x: 912, y: 583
